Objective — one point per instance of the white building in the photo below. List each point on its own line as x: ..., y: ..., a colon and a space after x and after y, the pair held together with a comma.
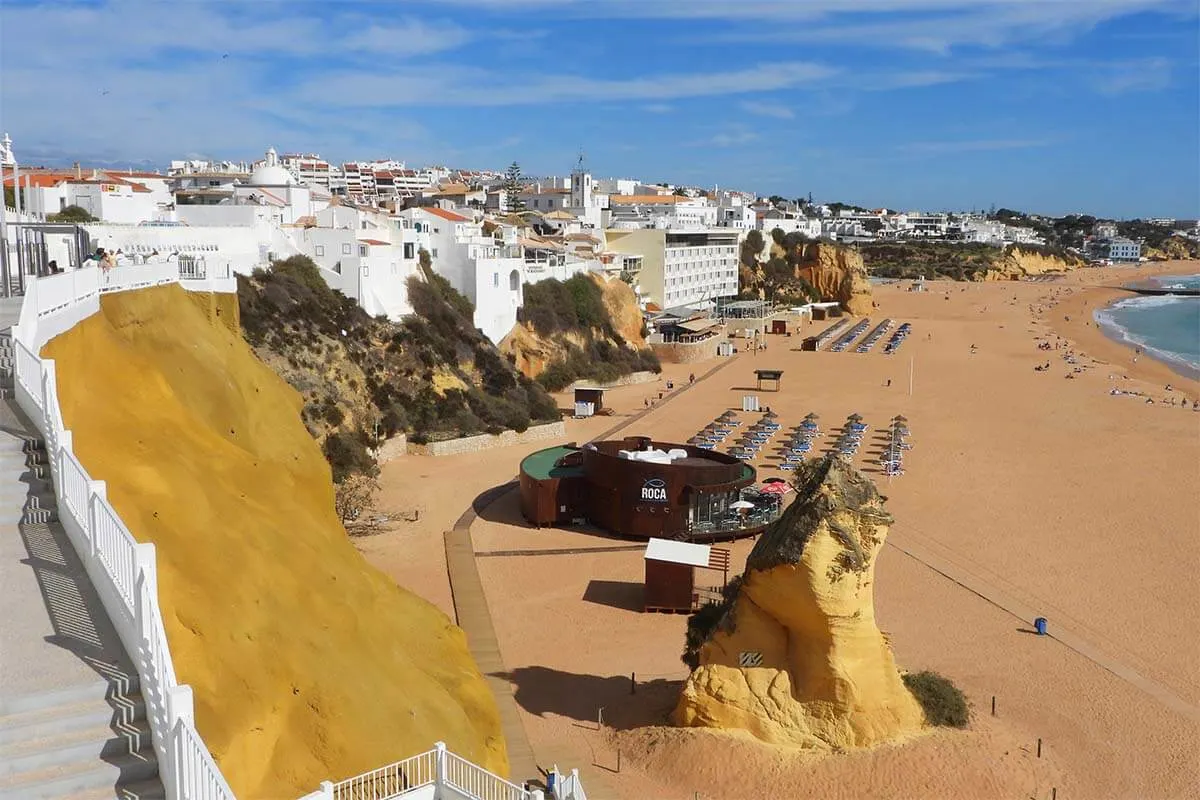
x: 105, y: 197
x: 788, y: 222
x: 270, y: 194
x: 660, y: 211
x: 691, y: 267
x: 367, y: 254
x: 488, y: 270
x: 616, y: 186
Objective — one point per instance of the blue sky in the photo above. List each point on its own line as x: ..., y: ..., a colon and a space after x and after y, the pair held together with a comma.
x: 1044, y: 105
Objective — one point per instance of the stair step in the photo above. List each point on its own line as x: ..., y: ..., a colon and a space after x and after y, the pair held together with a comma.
x: 62, y: 749
x: 91, y: 778
x: 41, y: 723
x: 116, y: 684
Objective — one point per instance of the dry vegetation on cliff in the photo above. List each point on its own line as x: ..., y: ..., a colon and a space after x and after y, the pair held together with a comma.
x: 433, y: 375
x: 963, y: 261
x: 582, y: 328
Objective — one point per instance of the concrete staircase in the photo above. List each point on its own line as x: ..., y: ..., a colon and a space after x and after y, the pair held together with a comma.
x: 89, y: 741
x: 72, y: 717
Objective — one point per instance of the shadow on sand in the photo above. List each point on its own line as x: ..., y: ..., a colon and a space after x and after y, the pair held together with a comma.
x: 624, y: 595
x: 542, y: 691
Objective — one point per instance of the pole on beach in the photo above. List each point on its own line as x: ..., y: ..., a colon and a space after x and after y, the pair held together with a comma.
x: 993, y: 705
x: 1039, y: 755
x: 633, y: 683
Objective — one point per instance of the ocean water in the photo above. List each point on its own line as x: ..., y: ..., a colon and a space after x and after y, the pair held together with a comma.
x: 1167, y: 328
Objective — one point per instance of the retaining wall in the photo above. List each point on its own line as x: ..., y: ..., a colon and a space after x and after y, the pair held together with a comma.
x: 485, y: 441
x: 687, y: 352
x: 624, y: 380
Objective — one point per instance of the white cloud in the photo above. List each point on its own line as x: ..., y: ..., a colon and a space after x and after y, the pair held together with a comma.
x: 971, y: 146
x: 659, y: 108
x: 762, y: 109
x: 1147, y: 75
x: 929, y: 25
x: 463, y: 86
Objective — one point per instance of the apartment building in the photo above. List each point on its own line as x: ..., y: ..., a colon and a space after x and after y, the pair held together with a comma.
x: 660, y: 211
x: 681, y: 267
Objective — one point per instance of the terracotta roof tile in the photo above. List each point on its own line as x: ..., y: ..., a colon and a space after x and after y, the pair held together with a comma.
x: 444, y: 214
x: 374, y: 242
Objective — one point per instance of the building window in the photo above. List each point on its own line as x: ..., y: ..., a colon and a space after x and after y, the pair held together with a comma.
x: 409, y: 250
x: 434, y: 252
x: 320, y: 250
x: 362, y: 251
x: 346, y: 249
x: 496, y: 279
x: 514, y: 281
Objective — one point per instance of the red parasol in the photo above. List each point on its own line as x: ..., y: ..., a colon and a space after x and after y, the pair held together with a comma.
x: 775, y: 488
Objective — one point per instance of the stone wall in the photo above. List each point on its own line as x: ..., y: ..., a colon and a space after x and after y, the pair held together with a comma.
x: 686, y: 352
x: 624, y: 380
x: 391, y: 449
x: 473, y: 444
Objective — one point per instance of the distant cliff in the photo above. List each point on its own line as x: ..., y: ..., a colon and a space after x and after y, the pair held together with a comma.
x: 794, y: 656
x: 964, y: 262
x: 431, y: 376
x: 308, y: 664
x: 584, y: 328
x: 791, y: 269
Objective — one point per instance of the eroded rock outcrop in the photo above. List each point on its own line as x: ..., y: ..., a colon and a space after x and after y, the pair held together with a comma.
x: 838, y: 273
x: 1017, y: 263
x: 600, y: 348
x: 822, y: 673
x: 790, y: 266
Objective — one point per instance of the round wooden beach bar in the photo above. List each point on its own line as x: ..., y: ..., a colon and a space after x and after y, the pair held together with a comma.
x: 641, y: 489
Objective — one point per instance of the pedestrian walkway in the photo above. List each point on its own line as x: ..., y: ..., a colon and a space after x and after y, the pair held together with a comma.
x: 72, y: 721
x: 472, y: 614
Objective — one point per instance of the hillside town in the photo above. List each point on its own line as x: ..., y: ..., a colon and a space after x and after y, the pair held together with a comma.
x: 488, y: 232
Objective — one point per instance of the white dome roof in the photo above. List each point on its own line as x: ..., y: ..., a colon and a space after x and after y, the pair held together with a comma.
x: 271, y: 176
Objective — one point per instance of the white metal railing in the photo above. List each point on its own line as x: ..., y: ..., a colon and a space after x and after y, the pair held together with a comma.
x: 477, y: 782
x: 436, y: 774
x: 123, y: 571
x: 393, y: 780
x: 568, y: 787
x: 125, y: 574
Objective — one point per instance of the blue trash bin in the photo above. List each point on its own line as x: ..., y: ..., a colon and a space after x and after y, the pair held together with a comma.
x: 550, y: 783
x: 1039, y: 625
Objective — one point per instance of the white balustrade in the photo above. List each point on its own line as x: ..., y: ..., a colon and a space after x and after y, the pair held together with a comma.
x: 125, y: 574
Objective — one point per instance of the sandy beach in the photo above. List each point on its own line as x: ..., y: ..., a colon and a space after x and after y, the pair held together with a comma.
x: 1028, y: 493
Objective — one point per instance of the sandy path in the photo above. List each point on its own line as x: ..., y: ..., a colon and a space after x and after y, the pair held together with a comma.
x: 1064, y: 499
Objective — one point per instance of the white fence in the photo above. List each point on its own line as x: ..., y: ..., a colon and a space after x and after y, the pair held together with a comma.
x: 125, y: 573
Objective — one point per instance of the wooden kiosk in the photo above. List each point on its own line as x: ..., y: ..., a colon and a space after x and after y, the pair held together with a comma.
x: 671, y: 574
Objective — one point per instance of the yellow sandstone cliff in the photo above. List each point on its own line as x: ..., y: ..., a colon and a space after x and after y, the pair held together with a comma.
x: 838, y: 273
x: 1017, y: 263
x: 307, y: 663
x: 804, y: 613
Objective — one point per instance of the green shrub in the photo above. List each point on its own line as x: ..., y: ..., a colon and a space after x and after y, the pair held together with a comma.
x: 704, y: 621
x: 347, y: 455
x: 944, y: 704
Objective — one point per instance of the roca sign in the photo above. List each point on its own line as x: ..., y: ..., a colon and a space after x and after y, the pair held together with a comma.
x: 655, y: 490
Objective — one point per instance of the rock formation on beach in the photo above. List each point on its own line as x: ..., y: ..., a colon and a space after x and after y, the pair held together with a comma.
x: 796, y: 658
x: 791, y: 268
x: 837, y: 272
